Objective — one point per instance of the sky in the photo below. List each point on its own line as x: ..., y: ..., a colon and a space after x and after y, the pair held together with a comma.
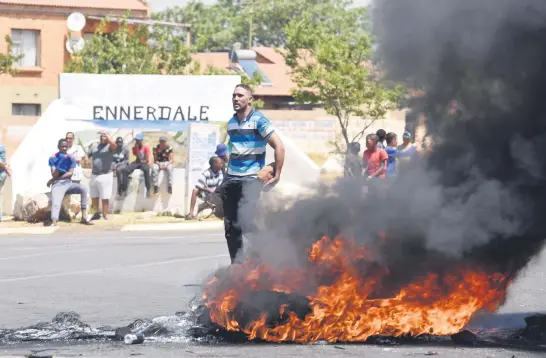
x: 161, y: 4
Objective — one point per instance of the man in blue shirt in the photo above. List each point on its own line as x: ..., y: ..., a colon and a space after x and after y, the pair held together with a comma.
x: 395, y: 153
x: 249, y: 133
x: 62, y: 167
x: 5, y: 172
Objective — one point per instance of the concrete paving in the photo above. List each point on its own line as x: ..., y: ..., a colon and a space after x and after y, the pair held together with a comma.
x: 113, y: 278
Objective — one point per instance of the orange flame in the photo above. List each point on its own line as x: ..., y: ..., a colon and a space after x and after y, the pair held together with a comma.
x: 346, y: 311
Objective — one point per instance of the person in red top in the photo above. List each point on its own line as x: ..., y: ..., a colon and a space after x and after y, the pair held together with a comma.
x: 375, y: 159
x: 142, y: 155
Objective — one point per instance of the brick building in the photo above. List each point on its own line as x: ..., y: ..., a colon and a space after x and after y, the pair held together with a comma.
x: 38, y: 30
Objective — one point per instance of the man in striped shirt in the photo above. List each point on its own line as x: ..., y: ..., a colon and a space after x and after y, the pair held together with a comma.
x: 249, y: 133
x: 207, y: 183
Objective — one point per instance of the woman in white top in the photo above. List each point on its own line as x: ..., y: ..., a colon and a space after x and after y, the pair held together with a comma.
x: 78, y: 153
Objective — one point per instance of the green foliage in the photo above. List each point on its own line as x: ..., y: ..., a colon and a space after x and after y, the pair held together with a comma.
x: 335, y: 69
x: 218, y: 26
x: 8, y: 60
x: 132, y: 50
x: 213, y: 27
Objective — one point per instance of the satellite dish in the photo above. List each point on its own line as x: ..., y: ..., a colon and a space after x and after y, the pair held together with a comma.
x: 75, y: 21
x: 75, y: 44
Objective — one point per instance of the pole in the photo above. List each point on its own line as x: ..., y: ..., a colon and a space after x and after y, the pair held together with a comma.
x: 250, y: 20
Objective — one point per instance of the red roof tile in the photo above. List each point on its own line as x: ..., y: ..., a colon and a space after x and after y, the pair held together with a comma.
x: 275, y: 69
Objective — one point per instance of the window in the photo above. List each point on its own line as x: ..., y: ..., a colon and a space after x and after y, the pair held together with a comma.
x: 26, y: 109
x: 251, y: 68
x: 26, y: 43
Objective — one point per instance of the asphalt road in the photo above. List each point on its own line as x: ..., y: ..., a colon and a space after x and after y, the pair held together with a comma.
x: 114, y: 278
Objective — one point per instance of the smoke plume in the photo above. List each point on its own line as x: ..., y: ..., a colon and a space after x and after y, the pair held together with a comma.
x: 478, y: 197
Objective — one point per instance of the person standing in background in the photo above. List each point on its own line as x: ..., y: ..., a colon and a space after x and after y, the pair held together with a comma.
x: 76, y: 151
x: 405, y: 162
x: 102, y: 177
x: 381, y: 135
x: 142, y: 155
x: 5, y: 172
x: 163, y: 160
x: 394, y: 154
x: 353, y: 163
x: 374, y: 159
x: 121, y: 160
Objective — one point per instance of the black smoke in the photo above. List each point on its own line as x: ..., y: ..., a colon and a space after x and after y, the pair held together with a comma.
x: 478, y: 196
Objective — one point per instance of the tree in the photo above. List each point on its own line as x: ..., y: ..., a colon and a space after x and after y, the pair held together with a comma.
x: 334, y: 69
x: 213, y: 27
x: 8, y: 60
x: 132, y: 50
x: 218, y: 26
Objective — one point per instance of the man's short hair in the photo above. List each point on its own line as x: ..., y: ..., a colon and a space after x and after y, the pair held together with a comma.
x: 354, y: 147
x: 373, y: 137
x: 60, y: 141
x: 213, y: 159
x: 67, y: 133
x: 390, y: 137
x: 245, y: 87
x: 381, y: 134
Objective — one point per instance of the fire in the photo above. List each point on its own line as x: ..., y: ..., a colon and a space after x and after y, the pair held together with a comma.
x: 344, y: 288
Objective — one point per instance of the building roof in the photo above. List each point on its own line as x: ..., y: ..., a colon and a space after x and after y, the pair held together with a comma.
x: 270, y: 62
x: 140, y: 5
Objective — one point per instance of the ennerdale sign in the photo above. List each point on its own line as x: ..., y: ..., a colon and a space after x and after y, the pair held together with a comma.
x: 180, y: 113
x: 150, y: 97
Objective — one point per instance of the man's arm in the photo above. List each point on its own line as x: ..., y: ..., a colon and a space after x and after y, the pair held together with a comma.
x: 396, y: 153
x: 171, y: 157
x: 111, y: 143
x: 155, y: 157
x: 275, y: 142
x: 6, y: 167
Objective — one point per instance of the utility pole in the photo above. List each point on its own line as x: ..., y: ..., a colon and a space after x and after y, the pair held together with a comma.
x: 250, y: 23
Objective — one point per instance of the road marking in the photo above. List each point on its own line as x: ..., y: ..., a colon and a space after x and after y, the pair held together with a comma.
x: 148, y: 237
x: 43, y: 254
x: 45, y: 246
x: 77, y: 242
x: 175, y: 227
x: 84, y: 272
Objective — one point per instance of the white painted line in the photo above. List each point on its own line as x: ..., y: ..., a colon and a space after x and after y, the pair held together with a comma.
x: 139, y: 236
x: 30, y: 248
x: 175, y: 227
x: 84, y: 272
x: 28, y: 230
x: 44, y: 254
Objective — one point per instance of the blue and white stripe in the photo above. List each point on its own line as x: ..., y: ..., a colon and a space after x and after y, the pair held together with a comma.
x: 248, y: 141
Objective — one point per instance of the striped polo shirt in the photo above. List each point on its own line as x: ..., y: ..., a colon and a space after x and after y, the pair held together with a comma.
x: 248, y: 140
x: 209, y: 179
